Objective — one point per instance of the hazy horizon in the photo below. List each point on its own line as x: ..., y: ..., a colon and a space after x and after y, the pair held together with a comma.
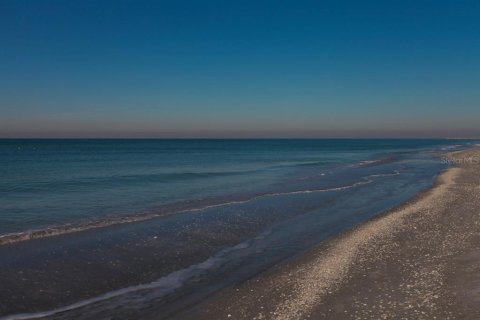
x: 263, y: 69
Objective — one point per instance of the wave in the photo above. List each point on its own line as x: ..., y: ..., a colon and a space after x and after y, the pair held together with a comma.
x: 111, y: 221
x: 142, y: 178
x: 451, y: 147
x: 163, y: 286
x: 370, y: 163
x: 395, y: 173
x: 126, y: 179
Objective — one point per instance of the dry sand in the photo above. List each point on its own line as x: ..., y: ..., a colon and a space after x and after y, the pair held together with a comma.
x: 419, y: 261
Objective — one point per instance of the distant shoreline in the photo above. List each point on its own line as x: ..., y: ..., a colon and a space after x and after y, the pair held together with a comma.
x: 235, y: 138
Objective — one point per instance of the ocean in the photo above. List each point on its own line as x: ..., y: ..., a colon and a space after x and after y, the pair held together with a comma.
x: 89, y: 227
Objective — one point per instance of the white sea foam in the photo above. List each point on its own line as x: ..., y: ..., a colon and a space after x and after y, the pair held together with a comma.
x: 71, y: 228
x: 365, y: 163
x: 451, y: 147
x: 162, y: 286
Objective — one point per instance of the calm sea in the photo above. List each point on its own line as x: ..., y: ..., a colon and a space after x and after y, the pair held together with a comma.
x: 207, y: 211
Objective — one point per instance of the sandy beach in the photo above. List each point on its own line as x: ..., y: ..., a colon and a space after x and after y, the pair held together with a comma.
x: 419, y: 261
x: 182, y: 256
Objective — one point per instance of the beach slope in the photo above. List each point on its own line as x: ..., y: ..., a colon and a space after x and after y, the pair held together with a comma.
x: 419, y: 261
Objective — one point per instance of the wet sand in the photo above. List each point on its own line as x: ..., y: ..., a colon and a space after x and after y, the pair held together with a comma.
x: 419, y: 261
x: 160, y: 266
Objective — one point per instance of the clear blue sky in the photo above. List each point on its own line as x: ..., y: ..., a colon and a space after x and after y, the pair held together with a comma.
x: 239, y: 68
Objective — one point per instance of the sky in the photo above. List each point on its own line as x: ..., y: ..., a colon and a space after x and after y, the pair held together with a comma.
x: 239, y: 69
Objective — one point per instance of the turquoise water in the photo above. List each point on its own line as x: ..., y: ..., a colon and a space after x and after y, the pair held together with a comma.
x: 183, y: 217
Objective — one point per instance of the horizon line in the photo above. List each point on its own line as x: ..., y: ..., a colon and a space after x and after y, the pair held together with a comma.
x: 239, y: 138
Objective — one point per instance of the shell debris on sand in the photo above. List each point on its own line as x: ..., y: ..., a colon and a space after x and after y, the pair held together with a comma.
x: 419, y: 261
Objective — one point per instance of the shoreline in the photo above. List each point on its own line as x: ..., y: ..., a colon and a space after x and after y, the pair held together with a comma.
x: 371, y: 271
x: 175, y: 208
x: 155, y: 310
